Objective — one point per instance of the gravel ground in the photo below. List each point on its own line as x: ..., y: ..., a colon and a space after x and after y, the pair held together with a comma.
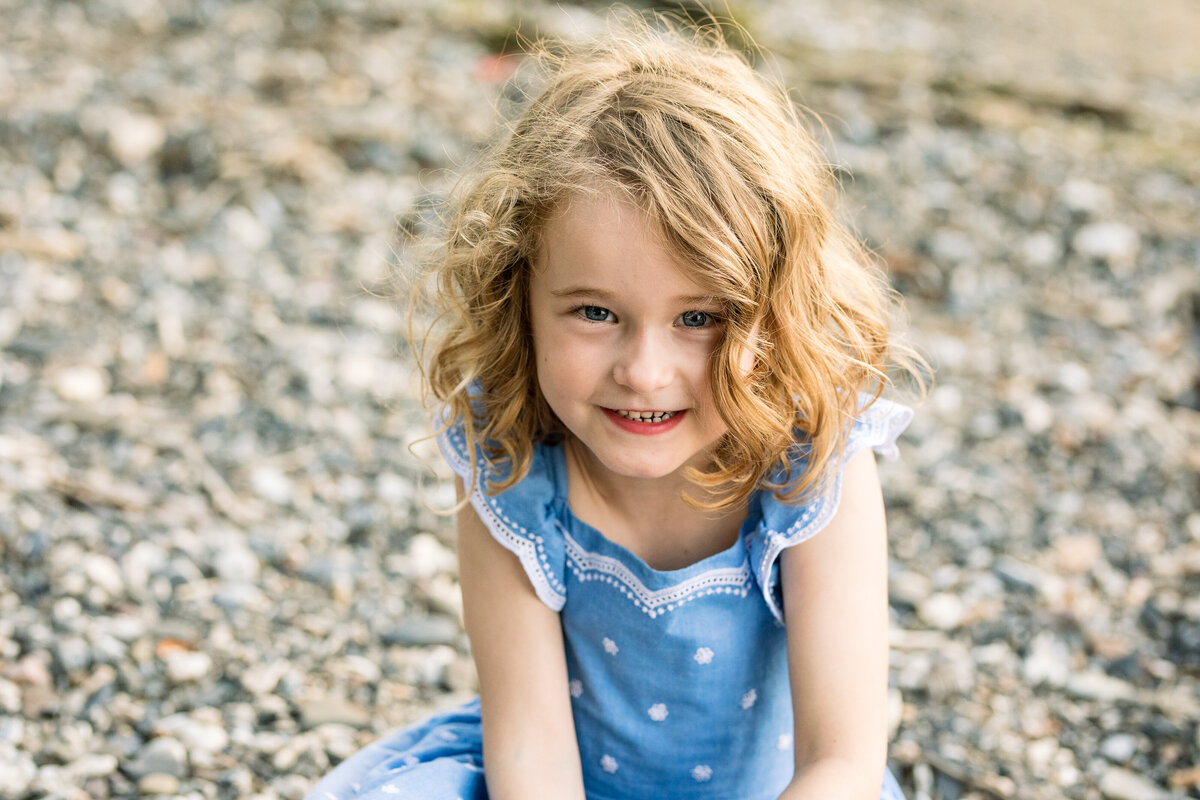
x: 220, y: 574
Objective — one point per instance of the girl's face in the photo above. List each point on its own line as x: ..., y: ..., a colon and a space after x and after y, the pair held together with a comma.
x: 623, y: 337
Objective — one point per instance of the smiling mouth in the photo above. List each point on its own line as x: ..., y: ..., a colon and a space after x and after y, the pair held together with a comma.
x: 645, y: 416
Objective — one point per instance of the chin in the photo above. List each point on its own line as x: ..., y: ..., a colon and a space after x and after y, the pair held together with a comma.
x: 641, y: 469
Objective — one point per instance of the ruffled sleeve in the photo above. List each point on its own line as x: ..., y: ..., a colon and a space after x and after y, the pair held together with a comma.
x: 782, y: 525
x: 521, y: 518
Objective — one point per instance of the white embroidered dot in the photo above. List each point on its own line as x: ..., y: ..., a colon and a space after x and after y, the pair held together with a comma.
x: 409, y: 761
x: 447, y: 735
x: 702, y: 772
x: 785, y: 741
x: 576, y: 688
x: 610, y: 646
x: 749, y: 698
x: 389, y: 789
x: 658, y: 712
x: 608, y: 764
x: 703, y: 656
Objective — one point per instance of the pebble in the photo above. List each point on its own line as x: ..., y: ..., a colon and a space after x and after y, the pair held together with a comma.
x: 263, y: 678
x: 135, y: 138
x: 1048, y: 661
x: 1113, y: 242
x: 202, y: 729
x: 158, y: 783
x: 1119, y: 747
x: 942, y: 611
x: 422, y: 632
x: 17, y: 769
x: 236, y: 564
x: 81, y: 384
x: 93, y: 766
x: 184, y: 665
x: 162, y: 755
x: 327, y: 710
x: 1120, y: 784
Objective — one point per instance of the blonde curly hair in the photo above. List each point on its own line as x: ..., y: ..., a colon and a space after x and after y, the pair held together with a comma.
x: 682, y: 125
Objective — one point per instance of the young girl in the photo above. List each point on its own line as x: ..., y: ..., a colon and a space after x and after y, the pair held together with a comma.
x: 661, y: 374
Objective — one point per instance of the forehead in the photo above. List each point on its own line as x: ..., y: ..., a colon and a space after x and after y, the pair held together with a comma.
x: 605, y: 241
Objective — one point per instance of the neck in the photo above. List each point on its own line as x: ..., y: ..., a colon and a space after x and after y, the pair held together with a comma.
x: 622, y: 496
x: 648, y: 516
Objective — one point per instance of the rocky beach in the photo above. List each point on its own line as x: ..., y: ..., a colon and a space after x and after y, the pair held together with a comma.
x: 222, y: 566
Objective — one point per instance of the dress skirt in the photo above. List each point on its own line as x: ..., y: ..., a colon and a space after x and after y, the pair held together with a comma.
x: 438, y: 759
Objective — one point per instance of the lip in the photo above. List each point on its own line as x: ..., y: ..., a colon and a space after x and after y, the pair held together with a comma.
x: 644, y: 428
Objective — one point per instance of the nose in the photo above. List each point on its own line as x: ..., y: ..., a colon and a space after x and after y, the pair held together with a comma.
x: 644, y: 364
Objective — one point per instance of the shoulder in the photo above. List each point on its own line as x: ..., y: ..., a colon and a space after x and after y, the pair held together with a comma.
x: 779, y: 525
x: 524, y: 518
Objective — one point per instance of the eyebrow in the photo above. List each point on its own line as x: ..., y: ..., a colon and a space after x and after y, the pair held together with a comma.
x: 600, y: 294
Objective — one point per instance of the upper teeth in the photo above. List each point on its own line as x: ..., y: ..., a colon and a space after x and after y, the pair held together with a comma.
x: 646, y: 416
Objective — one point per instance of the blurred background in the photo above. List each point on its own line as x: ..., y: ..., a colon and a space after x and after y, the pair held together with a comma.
x: 220, y: 575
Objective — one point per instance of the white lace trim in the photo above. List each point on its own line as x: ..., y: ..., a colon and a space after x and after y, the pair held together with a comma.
x: 879, y: 435
x: 527, y: 547
x: 593, y: 566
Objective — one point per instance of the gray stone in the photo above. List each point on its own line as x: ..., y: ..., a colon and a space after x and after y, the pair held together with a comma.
x: 330, y: 709
x: 164, y: 754
x: 422, y: 632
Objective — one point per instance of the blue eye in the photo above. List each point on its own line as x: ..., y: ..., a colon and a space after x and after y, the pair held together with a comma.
x: 696, y: 319
x: 595, y: 313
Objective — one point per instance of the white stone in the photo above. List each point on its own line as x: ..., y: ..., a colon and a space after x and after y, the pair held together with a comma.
x: 1085, y: 196
x: 66, y: 610
x: 183, y: 666
x: 263, y: 678
x: 1074, y: 377
x: 1114, y: 242
x: 1041, y: 249
x: 1120, y: 784
x: 427, y: 556
x: 1036, y: 413
x: 1095, y: 685
x: 134, y: 138
x: 201, y: 730
x: 1119, y: 747
x: 1048, y: 662
x: 104, y: 573
x: 271, y: 484
x: 236, y: 562
x: 942, y: 611
x: 93, y: 765
x: 81, y: 384
x: 17, y: 769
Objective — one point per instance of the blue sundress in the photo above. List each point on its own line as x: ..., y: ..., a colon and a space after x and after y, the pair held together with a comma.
x: 678, y: 678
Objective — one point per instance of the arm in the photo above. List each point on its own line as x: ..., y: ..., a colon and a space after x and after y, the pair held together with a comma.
x: 529, y: 740
x: 836, y: 611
